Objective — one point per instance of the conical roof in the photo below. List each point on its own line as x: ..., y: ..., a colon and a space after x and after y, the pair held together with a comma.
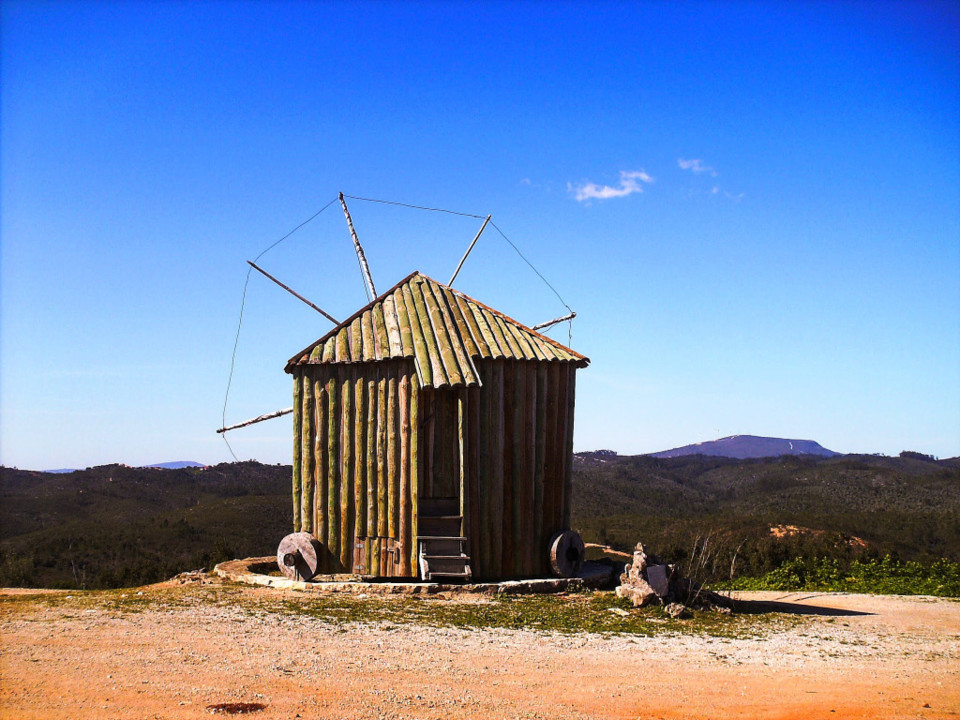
x: 440, y: 328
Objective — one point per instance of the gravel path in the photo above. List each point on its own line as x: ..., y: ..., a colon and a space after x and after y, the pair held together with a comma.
x: 900, y: 659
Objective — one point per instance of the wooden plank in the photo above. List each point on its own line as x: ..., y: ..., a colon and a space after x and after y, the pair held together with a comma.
x: 404, y: 519
x: 429, y: 422
x: 540, y: 429
x: 463, y: 488
x: 308, y: 429
x: 421, y: 351
x: 411, y: 549
x: 515, y: 351
x: 553, y: 479
x: 297, y: 452
x: 330, y: 350
x: 444, y: 364
x: 491, y: 333
x: 346, y: 468
x: 333, y: 468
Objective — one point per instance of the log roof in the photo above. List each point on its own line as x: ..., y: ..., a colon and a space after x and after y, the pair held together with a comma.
x: 442, y: 330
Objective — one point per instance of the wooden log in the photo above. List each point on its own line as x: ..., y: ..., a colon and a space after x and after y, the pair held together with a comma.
x: 462, y: 486
x: 381, y: 343
x: 308, y: 430
x: 484, y: 480
x: 360, y: 453
x: 421, y: 352
x: 497, y: 466
x: 356, y: 340
x: 346, y: 468
x: 551, y: 477
x: 415, y: 472
x: 370, y: 456
x: 444, y: 343
x: 321, y: 448
x: 382, y: 383
x: 519, y: 466
x: 530, y: 507
x: 568, y: 454
x: 540, y: 442
x: 455, y: 344
x: 403, y: 321
x: 366, y: 332
x: 462, y: 324
x: 486, y: 332
x: 393, y: 455
x: 428, y: 441
x: 297, y: 454
x: 330, y: 350
x: 343, y: 346
x: 473, y: 465
x: 403, y: 520
x: 393, y: 327
x: 509, y: 438
x: 428, y: 333
x: 515, y: 350
x: 333, y: 468
x: 482, y: 346
x: 562, y: 420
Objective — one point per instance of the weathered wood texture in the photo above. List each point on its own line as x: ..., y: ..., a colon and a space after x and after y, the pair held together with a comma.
x: 371, y: 443
x: 352, y: 464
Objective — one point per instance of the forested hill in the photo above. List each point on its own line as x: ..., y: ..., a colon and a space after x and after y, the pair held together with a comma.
x: 114, y: 525
x: 772, y: 508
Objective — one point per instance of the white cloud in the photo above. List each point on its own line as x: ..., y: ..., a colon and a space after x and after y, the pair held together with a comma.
x: 696, y: 166
x: 629, y: 183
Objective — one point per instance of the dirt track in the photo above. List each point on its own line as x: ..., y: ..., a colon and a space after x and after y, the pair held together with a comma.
x: 850, y: 657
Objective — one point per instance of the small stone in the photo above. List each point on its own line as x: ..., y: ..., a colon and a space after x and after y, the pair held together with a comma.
x: 676, y: 611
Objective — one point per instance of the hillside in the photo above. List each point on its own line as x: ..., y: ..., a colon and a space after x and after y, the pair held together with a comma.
x: 840, y: 506
x: 115, y: 526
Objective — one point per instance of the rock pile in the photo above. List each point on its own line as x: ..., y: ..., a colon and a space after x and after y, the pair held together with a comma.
x: 647, y: 579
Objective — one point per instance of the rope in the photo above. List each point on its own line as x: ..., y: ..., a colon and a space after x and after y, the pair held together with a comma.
x: 415, y: 207
x: 243, y: 303
x: 539, y: 274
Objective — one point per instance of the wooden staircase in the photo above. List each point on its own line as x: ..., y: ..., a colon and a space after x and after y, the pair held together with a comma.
x: 441, y: 549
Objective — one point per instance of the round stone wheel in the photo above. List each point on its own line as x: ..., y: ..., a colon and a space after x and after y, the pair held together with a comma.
x: 298, y: 556
x: 566, y: 553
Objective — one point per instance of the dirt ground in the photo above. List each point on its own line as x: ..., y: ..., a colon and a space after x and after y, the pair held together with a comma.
x: 851, y: 656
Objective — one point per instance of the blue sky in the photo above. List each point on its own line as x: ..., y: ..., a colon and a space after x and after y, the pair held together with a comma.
x: 753, y: 207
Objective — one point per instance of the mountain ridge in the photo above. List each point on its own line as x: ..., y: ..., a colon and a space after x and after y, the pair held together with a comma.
x: 746, y: 447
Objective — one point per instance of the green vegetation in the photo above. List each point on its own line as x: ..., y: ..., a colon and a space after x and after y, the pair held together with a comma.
x: 887, y: 576
x: 789, y: 522
x: 117, y: 526
x: 749, y: 519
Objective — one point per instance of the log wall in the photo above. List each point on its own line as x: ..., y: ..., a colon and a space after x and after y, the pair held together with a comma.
x: 369, y: 441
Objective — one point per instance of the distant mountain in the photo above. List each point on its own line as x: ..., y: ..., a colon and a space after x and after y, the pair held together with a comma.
x: 743, y: 447
x: 176, y: 465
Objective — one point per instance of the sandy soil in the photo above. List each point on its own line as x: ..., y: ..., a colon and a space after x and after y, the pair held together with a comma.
x: 852, y: 656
